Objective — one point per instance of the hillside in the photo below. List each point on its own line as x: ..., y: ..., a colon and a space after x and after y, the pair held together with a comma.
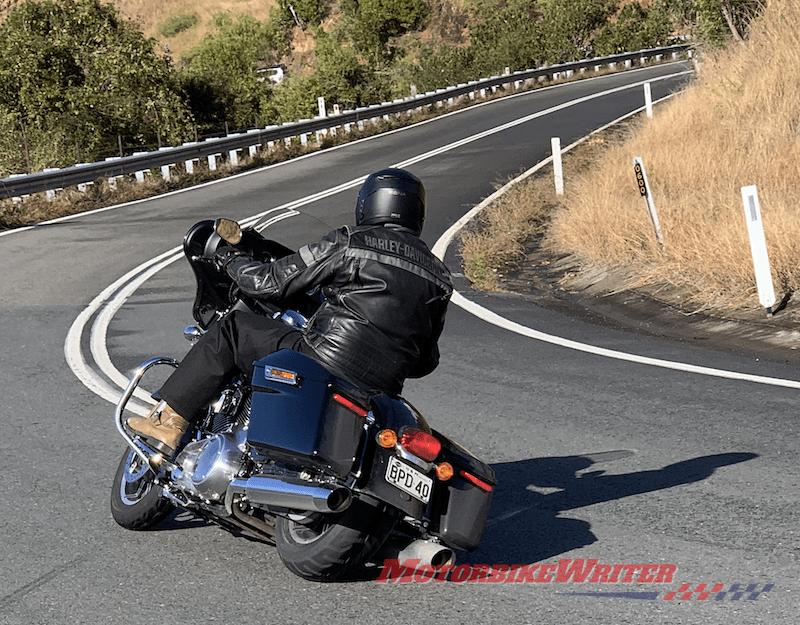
x: 154, y: 17
x: 737, y: 125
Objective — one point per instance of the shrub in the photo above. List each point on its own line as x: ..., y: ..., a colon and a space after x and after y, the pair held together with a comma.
x: 177, y: 24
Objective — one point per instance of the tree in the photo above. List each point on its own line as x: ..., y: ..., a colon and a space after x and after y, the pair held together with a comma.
x: 506, y: 34
x: 304, y: 12
x: 568, y: 26
x: 713, y: 22
x: 73, y: 73
x: 342, y: 76
x: 221, y: 79
x: 636, y: 28
x: 371, y: 25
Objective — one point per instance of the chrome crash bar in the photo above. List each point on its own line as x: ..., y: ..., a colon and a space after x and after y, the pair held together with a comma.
x: 140, y: 449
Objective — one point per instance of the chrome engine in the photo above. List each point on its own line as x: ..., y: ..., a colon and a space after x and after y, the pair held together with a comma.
x: 220, y: 469
x: 208, y: 466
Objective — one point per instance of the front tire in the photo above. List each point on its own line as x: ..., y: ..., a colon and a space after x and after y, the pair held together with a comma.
x: 333, y: 546
x: 136, y: 501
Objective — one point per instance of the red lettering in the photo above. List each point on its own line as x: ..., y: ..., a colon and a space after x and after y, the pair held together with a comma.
x: 442, y: 571
x: 498, y: 574
x: 577, y: 572
x: 545, y: 573
x: 665, y: 573
x: 630, y: 569
x: 424, y: 573
x: 615, y: 573
x: 524, y: 573
x: 392, y: 570
x: 646, y: 577
x: 479, y: 573
x: 461, y: 574
x: 601, y: 572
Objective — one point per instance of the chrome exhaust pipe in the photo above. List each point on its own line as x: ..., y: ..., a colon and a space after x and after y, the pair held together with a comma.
x: 426, y: 551
x: 292, y: 493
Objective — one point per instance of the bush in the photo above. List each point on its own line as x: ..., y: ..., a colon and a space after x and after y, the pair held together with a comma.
x: 177, y: 24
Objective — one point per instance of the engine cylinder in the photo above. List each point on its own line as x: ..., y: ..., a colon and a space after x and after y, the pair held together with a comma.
x: 209, y: 465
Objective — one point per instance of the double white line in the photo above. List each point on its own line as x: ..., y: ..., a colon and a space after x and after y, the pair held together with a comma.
x: 107, y: 381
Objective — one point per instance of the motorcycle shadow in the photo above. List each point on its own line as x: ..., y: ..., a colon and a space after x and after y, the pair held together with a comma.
x: 524, y: 525
x: 180, y: 519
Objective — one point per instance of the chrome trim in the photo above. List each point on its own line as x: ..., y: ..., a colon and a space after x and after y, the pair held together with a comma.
x: 193, y: 334
x: 142, y: 450
x: 294, y: 318
x: 415, y: 460
x: 288, y: 492
x: 429, y: 551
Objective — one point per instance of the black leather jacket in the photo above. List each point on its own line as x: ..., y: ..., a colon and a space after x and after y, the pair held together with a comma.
x: 385, y: 300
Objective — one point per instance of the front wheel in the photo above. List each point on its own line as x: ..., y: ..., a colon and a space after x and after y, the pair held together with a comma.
x: 136, y: 501
x: 332, y: 546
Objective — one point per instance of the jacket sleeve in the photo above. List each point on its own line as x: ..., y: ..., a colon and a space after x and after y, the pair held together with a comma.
x: 311, y: 266
x: 429, y: 352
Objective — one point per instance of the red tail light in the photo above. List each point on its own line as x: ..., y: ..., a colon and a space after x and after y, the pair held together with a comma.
x: 476, y: 480
x: 421, y: 444
x: 340, y: 399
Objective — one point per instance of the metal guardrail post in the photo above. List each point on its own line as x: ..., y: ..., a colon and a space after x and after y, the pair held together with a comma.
x: 17, y: 186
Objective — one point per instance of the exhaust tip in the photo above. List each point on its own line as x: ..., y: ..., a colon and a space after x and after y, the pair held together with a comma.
x: 426, y: 551
x: 443, y: 557
x: 339, y: 499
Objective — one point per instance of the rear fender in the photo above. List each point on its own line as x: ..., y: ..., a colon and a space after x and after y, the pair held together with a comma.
x: 460, y: 506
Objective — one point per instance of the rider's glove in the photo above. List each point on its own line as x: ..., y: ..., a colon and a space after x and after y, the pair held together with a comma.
x: 225, y: 259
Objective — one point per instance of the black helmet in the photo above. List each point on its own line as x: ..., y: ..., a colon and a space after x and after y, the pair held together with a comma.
x: 392, y: 196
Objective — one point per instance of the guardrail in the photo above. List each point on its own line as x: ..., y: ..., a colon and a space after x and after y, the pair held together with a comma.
x: 49, y: 181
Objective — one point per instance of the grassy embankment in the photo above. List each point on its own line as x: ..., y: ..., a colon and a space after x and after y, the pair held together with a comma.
x: 737, y: 125
x: 154, y: 18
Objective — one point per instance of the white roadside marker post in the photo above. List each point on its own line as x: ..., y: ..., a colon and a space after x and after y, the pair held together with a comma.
x: 648, y: 100
x: 322, y: 113
x: 558, y: 170
x: 644, y: 190
x: 758, y: 247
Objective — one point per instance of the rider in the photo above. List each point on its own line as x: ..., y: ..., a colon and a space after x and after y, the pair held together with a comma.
x: 384, y: 309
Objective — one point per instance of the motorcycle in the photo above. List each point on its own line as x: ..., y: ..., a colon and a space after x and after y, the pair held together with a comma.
x: 324, y: 470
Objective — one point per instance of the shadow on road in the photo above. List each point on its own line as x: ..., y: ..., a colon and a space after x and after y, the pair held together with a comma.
x: 524, y: 525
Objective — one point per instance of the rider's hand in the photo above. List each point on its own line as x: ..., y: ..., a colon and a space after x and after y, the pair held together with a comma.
x: 225, y: 256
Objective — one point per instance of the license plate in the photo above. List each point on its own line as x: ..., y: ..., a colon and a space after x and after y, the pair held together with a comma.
x: 409, y: 480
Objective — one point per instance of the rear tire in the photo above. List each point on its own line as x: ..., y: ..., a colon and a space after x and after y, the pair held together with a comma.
x: 136, y: 501
x: 335, y: 544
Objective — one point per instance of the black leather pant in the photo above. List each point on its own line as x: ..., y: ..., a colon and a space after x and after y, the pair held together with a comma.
x: 231, y: 345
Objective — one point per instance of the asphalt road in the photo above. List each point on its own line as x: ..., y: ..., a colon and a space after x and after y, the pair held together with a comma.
x: 598, y: 458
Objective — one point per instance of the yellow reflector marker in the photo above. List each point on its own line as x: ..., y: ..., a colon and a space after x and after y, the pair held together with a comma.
x: 280, y: 375
x: 444, y: 471
x: 387, y: 438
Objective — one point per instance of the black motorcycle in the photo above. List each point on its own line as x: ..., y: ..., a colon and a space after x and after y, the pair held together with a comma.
x: 299, y: 457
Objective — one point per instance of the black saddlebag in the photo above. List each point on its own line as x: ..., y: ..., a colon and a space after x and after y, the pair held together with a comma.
x: 295, y: 419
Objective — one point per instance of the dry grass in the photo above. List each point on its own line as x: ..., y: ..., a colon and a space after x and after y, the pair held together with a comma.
x: 738, y: 125
x: 151, y: 16
x: 497, y: 238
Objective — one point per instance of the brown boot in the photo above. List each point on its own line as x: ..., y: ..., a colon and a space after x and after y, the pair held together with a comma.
x: 162, y: 428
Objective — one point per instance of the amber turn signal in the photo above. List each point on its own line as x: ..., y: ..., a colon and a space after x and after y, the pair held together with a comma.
x: 444, y: 471
x: 387, y: 438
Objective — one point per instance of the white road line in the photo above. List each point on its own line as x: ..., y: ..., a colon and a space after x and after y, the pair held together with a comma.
x: 502, y: 322
x: 440, y: 249
x: 113, y: 297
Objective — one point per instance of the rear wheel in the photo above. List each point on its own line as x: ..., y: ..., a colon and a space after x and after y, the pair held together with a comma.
x: 136, y: 501
x: 329, y: 547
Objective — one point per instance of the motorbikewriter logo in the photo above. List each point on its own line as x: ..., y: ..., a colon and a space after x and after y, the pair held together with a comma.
x: 577, y: 571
